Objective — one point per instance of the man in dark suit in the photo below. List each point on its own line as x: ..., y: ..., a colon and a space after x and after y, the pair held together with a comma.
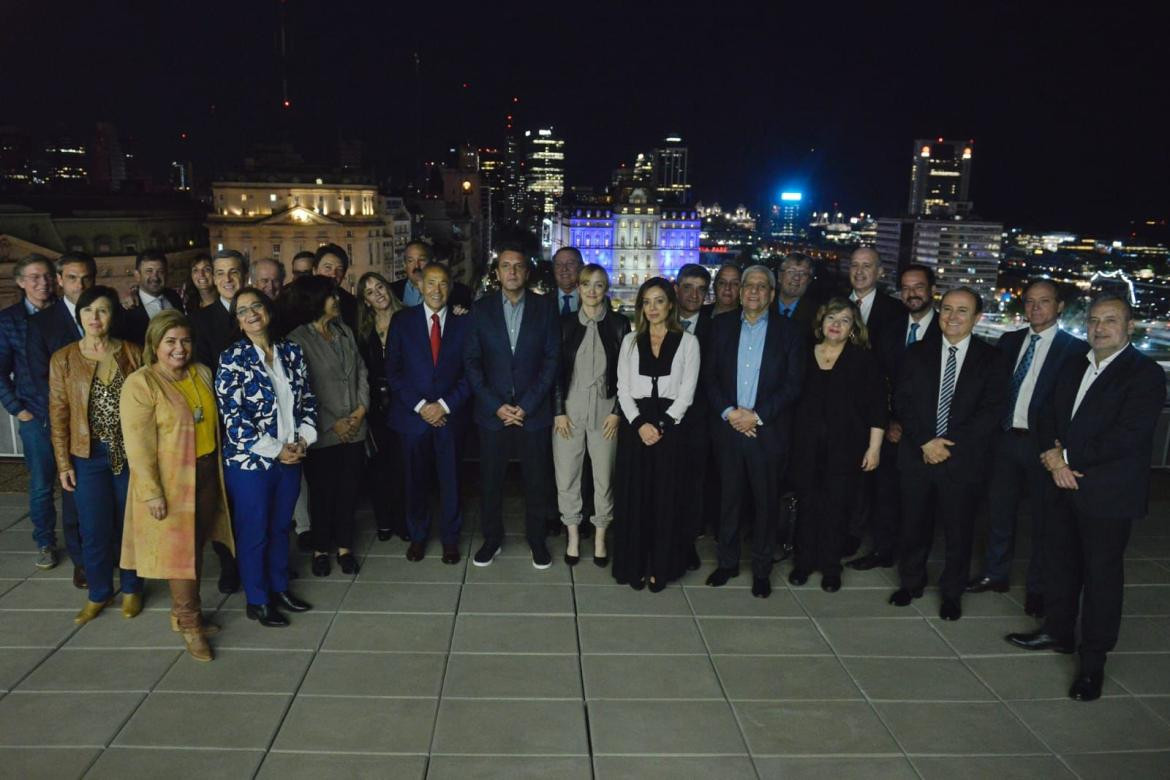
x: 884, y: 510
x: 752, y: 372
x: 429, y: 408
x: 1096, y: 435
x: 948, y: 401
x: 49, y: 330
x: 409, y: 289
x: 302, y: 265
x: 691, y: 287
x: 332, y: 262
x: 151, y: 296
x: 511, y: 362
x: 1031, y: 359
x: 215, y: 327
x: 877, y: 309
x: 793, y: 299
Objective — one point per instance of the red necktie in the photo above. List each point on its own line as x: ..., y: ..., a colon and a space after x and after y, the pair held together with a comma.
x: 436, y: 338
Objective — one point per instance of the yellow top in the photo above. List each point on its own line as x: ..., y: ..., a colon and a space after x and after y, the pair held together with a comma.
x: 202, y: 405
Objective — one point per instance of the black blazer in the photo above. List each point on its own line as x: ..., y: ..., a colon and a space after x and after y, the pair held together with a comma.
x: 846, y: 406
x: 612, y: 329
x: 1065, y: 348
x: 348, y: 305
x: 976, y: 407
x: 781, y: 374
x: 805, y: 313
x: 135, y: 321
x: 1111, y: 438
x: 460, y: 294
x: 885, y: 312
x: 48, y: 331
x: 890, y: 348
x: 215, y: 331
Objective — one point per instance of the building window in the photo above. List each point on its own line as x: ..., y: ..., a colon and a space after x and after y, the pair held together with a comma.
x: 276, y: 251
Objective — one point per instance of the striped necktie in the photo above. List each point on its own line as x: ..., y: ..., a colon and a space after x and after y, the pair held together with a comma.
x: 1018, y: 377
x: 946, y: 392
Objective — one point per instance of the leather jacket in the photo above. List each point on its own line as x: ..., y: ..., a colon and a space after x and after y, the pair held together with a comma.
x: 612, y: 329
x: 70, y: 381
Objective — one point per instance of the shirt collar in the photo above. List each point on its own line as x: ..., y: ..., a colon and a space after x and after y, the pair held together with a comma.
x: 782, y: 306
x: 227, y: 304
x: 761, y: 321
x: 146, y: 297
x: 28, y: 307
x: 924, y: 323
x: 517, y: 304
x: 430, y: 312
x: 1048, y: 334
x: 1104, y: 363
x: 853, y: 296
x: 71, y: 307
x: 962, y: 345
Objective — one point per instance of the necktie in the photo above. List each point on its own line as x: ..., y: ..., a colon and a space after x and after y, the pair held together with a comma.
x: 912, y: 336
x: 1018, y: 380
x: 946, y: 392
x: 436, y: 338
x: 687, y: 325
x: 566, y: 306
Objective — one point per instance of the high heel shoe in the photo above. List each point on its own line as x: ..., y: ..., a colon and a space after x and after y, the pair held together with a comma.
x: 197, y: 646
x: 91, y: 610
x: 131, y: 605
x: 321, y: 565
x: 348, y: 563
x: 656, y: 586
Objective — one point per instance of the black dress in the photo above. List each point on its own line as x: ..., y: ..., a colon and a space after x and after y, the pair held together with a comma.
x: 384, y: 477
x: 648, y: 537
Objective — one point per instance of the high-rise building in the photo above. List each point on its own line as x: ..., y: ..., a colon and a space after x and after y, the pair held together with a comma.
x: 962, y: 252
x: 787, y: 217
x: 940, y: 178
x: 670, y: 171
x: 544, y: 174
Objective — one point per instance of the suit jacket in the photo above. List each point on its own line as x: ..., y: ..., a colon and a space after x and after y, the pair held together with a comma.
x: 525, y: 378
x: 890, y: 349
x: 806, y: 312
x: 612, y: 329
x: 781, y: 374
x: 135, y: 321
x: 1065, y: 348
x: 460, y: 294
x: 337, y: 375
x: 1111, y: 438
x: 48, y: 331
x: 413, y: 375
x: 348, y: 304
x: 884, y: 312
x: 16, y: 387
x: 976, y: 407
x: 215, y: 331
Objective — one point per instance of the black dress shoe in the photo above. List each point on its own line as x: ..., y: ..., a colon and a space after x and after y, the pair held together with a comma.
x: 872, y: 561
x: 450, y: 553
x: 290, y: 602
x: 416, y: 551
x: 1087, y: 687
x: 1041, y: 640
x: 266, y: 615
x: 693, y: 562
x: 385, y: 534
x: 719, y: 577
x: 572, y: 560
x: 831, y: 583
x: 984, y: 584
x: 797, y: 577
x: 903, y: 596
x: 850, y: 545
x: 1034, y: 605
x: 601, y: 560
x: 950, y: 610
x: 321, y: 566
x: 761, y: 587
x: 348, y: 563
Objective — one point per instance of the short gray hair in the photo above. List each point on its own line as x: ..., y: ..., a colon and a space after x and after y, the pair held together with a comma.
x: 760, y: 269
x: 32, y: 259
x: 279, y: 267
x: 231, y: 254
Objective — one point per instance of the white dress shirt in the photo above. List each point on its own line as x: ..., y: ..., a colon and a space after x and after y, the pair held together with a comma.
x: 268, y: 446
x: 960, y: 356
x: 693, y: 319
x: 865, y: 305
x: 152, y: 304
x: 442, y: 329
x: 1028, y: 386
x: 923, y: 326
x: 679, y: 384
x: 1092, y: 371
x: 72, y: 307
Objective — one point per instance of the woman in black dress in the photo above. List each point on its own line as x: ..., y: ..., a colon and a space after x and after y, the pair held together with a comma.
x: 658, y: 368
x: 837, y: 434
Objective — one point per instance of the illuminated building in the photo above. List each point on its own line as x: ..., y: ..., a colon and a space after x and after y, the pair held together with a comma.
x: 961, y: 252
x: 940, y: 178
x: 669, y: 167
x: 544, y: 174
x: 395, y: 236
x: 786, y: 221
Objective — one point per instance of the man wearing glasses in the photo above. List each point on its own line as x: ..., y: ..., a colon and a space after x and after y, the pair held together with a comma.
x: 793, y: 299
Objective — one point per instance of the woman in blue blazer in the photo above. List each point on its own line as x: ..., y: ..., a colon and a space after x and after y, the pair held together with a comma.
x: 269, y: 419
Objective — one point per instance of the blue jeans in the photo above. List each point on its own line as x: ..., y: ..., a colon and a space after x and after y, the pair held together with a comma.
x: 101, y: 509
x: 262, y: 507
x: 42, y: 478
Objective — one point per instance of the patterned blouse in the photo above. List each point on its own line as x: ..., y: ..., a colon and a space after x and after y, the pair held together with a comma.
x: 104, y: 420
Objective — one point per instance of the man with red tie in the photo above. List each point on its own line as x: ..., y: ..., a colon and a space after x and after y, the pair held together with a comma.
x: 429, y: 407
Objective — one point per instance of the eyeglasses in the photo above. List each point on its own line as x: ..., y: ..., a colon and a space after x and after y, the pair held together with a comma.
x: 244, y: 311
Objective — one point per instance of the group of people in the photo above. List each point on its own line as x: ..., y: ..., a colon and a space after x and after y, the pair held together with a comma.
x: 242, y: 407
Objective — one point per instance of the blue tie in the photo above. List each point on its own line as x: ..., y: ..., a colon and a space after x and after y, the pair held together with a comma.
x: 566, y: 308
x: 946, y: 392
x: 912, y: 336
x: 1018, y: 380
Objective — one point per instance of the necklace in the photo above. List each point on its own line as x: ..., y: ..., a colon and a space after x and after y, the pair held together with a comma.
x: 192, y: 399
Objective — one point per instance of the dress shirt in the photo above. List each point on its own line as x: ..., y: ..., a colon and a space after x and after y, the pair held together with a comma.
x: 72, y: 307
x: 787, y: 309
x: 923, y: 326
x: 227, y: 302
x: 959, y: 357
x: 748, y: 360
x: 268, y: 446
x: 693, y: 320
x: 411, y: 295
x: 30, y: 308
x: 152, y: 304
x: 1092, y: 371
x: 513, y: 317
x: 1028, y: 386
x: 679, y: 384
x: 574, y: 299
x: 864, y: 304
x: 442, y: 329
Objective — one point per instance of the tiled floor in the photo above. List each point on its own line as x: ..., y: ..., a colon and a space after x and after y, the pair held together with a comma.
x: 423, y: 670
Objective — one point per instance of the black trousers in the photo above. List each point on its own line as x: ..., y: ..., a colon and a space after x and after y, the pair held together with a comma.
x: 929, y: 494
x: 385, y: 480
x: 1085, y: 567
x: 825, y: 507
x: 1015, y: 467
x: 746, y: 468
x: 534, y: 448
x: 334, y: 474
x: 696, y: 467
x: 886, y: 509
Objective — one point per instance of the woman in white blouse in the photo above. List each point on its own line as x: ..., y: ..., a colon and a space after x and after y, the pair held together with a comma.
x: 658, y: 369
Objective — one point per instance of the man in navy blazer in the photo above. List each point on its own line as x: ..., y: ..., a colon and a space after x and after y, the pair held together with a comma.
x: 1030, y: 361
x: 511, y: 362
x: 1097, y: 437
x: 429, y: 407
x: 752, y: 371
x: 948, y: 401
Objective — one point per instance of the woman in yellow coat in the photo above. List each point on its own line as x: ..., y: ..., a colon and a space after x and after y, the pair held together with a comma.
x: 177, y: 501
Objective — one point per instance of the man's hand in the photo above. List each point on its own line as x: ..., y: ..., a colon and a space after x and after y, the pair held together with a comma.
x: 1053, y: 459
x: 743, y: 420
x: 894, y: 432
x: 433, y: 414
x: 937, y: 450
x: 563, y: 426
x: 24, y: 415
x: 458, y: 311
x: 511, y: 415
x: 609, y: 428
x: 344, y: 428
x: 1066, y: 478
x: 157, y: 507
x: 650, y: 435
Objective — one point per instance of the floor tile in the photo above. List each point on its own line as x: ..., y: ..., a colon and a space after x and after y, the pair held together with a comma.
x: 762, y: 636
x: 473, y: 726
x: 204, y: 720
x: 1148, y: 673
x: 401, y: 597
x: 893, y: 636
x: 43, y: 763
x: 1039, y: 675
x: 533, y: 599
x: 512, y: 676
x: 384, y: 633
x: 16, y: 663
x: 34, y: 629
x: 1139, y: 600
x: 118, y: 763
x: 20, y: 565
x: 375, y: 674
x: 853, y: 602
x: 989, y: 604
x: 784, y: 677
x: 983, y: 636
x: 519, y: 570
x: 359, y: 725
x: 100, y: 670
x: 514, y: 634
x: 511, y: 767
x: 738, y: 602
x: 673, y: 767
x: 833, y: 768
x: 813, y: 728
x: 1144, y: 634
x: 999, y: 767
x: 64, y: 719
x: 618, y: 600
x: 1110, y: 766
x: 1116, y: 723
x: 46, y: 594
x: 659, y: 727
x: 314, y: 766
x: 239, y: 671
x: 639, y: 635
x: 378, y: 568
x: 957, y: 728
x: 111, y: 631
x: 304, y: 632
x: 650, y: 677
x: 1159, y: 704
x: 917, y: 679
x: 324, y: 594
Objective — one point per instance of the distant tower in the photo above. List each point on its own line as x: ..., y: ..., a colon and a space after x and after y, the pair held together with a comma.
x: 670, y: 171
x: 544, y: 176
x: 940, y: 178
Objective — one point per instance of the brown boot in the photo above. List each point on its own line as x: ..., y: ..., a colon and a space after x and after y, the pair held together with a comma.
x: 197, y: 644
x: 208, y: 628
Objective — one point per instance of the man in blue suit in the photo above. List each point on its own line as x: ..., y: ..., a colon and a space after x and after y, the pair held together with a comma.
x: 428, y: 408
x: 511, y: 363
x: 1030, y: 360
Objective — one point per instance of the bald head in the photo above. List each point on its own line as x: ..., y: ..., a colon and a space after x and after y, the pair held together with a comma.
x: 865, y: 268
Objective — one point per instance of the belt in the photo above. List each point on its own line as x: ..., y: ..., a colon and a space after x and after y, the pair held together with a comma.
x: 1019, y: 431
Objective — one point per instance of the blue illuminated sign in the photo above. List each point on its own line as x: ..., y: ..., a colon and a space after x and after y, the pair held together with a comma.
x: 789, y: 196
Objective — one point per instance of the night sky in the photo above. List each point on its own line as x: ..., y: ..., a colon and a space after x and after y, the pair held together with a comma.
x: 1066, y: 108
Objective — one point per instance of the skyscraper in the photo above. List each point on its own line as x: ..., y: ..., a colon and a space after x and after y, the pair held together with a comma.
x: 940, y: 178
x: 670, y: 171
x: 544, y: 175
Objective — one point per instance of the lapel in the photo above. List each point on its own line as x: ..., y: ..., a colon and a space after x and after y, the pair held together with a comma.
x: 1119, y: 367
x: 972, y: 367
x: 771, y: 345
x: 933, y: 378
x: 70, y: 329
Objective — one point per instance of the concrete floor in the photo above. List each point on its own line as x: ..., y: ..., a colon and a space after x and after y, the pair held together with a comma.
x: 413, y: 670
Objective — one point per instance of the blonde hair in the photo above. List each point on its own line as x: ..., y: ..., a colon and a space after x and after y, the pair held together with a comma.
x: 162, y: 322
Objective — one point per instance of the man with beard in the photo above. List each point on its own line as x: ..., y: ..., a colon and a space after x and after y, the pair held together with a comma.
x: 409, y: 289
x: 151, y: 297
